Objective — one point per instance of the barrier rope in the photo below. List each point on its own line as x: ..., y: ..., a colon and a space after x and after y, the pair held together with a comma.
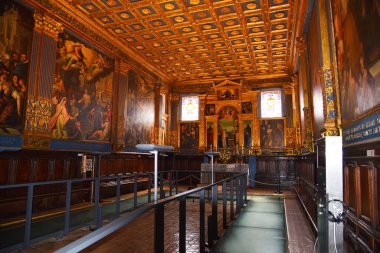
x: 268, y: 183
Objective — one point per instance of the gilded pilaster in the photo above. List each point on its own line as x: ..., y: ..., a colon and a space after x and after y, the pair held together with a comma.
x: 202, y: 123
x: 255, y: 122
x: 308, y: 128
x: 327, y: 71
x: 296, y: 111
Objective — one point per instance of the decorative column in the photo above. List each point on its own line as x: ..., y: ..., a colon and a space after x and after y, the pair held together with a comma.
x: 120, y: 105
x: 202, y: 123
x: 164, y: 90
x: 296, y: 111
x: 172, y: 136
x: 41, y: 79
x: 290, y: 137
x: 329, y: 89
x: 255, y: 121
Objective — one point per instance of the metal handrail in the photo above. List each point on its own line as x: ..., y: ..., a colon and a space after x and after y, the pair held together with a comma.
x: 241, y: 198
x: 95, y: 198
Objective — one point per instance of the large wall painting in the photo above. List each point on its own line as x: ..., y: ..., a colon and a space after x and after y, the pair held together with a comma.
x: 272, y: 133
x: 139, y: 118
x: 357, y: 37
x: 16, y: 30
x: 82, y: 92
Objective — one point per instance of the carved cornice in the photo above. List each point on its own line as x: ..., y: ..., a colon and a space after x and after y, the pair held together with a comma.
x: 45, y: 24
x: 124, y: 67
x: 174, y: 97
x: 164, y: 89
x: 288, y: 88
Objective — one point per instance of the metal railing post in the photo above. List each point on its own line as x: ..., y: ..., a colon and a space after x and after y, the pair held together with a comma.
x: 237, y: 195
x: 28, y: 217
x: 215, y: 210
x: 97, y: 208
x: 162, y: 193
x: 135, y: 189
x: 118, y: 196
x: 176, y: 182
x: 232, y: 198
x: 224, y: 204
x: 149, y: 187
x: 202, y: 235
x: 159, y: 214
x: 182, y: 225
x: 66, y: 229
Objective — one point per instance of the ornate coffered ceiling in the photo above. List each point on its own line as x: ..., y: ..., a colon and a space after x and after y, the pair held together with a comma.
x: 189, y: 40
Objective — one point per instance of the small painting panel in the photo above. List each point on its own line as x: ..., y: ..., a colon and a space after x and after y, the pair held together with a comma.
x: 210, y: 109
x: 246, y: 107
x: 272, y: 133
x: 189, y: 135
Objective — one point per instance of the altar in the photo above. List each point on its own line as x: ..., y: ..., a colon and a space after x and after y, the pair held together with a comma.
x: 221, y: 171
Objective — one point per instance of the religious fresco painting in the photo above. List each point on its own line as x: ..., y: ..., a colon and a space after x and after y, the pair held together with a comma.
x: 82, y: 92
x: 16, y: 30
x: 189, y: 135
x: 272, y: 133
x: 228, y: 127
x: 357, y: 37
x: 139, y: 117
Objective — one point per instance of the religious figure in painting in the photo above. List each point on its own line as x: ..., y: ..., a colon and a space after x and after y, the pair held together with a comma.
x: 247, y: 136
x: 83, y: 77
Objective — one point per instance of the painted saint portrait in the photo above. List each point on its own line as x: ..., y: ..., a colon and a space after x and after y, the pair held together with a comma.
x: 246, y: 107
x: 189, y: 135
x: 247, y: 133
x: 357, y: 39
x: 16, y: 30
x: 272, y: 133
x: 210, y: 109
x: 82, y: 92
x: 210, y: 135
x: 139, y: 116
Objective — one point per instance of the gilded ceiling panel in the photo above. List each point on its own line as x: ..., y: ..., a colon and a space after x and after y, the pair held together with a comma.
x: 200, y: 39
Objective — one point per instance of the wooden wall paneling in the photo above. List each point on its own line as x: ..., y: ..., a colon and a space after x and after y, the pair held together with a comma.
x: 352, y: 203
x: 358, y: 192
x: 4, y: 170
x: 51, y: 170
x: 23, y: 170
x: 12, y: 171
x: 59, y: 169
x: 346, y: 185
x: 66, y: 169
x: 364, y: 184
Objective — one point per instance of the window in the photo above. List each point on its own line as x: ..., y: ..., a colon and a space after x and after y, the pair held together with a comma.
x: 190, y: 108
x: 271, y: 104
